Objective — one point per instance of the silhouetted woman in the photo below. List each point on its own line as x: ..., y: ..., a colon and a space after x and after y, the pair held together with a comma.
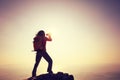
x: 40, y: 48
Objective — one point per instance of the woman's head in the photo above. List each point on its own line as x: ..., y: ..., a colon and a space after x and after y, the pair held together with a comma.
x: 41, y: 33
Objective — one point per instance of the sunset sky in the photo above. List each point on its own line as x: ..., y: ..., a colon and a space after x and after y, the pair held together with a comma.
x: 86, y: 34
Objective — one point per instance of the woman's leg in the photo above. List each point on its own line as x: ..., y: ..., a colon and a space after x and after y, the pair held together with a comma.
x: 49, y: 60
x: 38, y: 58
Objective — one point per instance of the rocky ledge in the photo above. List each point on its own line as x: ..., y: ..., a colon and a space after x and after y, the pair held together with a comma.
x: 57, y: 76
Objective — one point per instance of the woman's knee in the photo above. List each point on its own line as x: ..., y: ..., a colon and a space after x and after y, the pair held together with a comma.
x: 50, y: 61
x: 36, y: 63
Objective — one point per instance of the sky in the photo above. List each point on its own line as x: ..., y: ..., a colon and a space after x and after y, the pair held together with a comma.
x: 85, y: 33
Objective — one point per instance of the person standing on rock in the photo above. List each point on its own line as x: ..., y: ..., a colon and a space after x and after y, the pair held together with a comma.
x: 39, y: 45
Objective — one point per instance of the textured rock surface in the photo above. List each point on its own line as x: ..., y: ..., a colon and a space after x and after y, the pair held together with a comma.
x: 57, y: 76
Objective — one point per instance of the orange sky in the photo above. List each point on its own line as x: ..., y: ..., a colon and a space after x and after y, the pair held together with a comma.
x: 84, y: 34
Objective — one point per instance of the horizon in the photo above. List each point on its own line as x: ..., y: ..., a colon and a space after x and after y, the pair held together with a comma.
x: 106, y: 72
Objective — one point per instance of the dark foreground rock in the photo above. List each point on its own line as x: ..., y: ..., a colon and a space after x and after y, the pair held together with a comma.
x: 57, y: 76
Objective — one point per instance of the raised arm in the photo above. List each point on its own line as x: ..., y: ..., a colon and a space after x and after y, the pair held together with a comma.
x: 48, y: 37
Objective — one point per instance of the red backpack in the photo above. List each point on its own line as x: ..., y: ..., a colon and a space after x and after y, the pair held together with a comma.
x: 38, y: 43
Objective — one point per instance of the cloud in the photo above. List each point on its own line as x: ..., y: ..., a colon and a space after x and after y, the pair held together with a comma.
x: 109, y: 73
x: 107, y: 76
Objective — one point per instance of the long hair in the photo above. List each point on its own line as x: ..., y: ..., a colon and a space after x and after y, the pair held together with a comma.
x: 41, y: 33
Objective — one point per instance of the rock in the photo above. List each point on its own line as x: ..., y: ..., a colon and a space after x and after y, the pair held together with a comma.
x: 57, y: 76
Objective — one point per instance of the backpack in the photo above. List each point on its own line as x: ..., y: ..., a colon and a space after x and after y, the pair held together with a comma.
x: 37, y: 43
